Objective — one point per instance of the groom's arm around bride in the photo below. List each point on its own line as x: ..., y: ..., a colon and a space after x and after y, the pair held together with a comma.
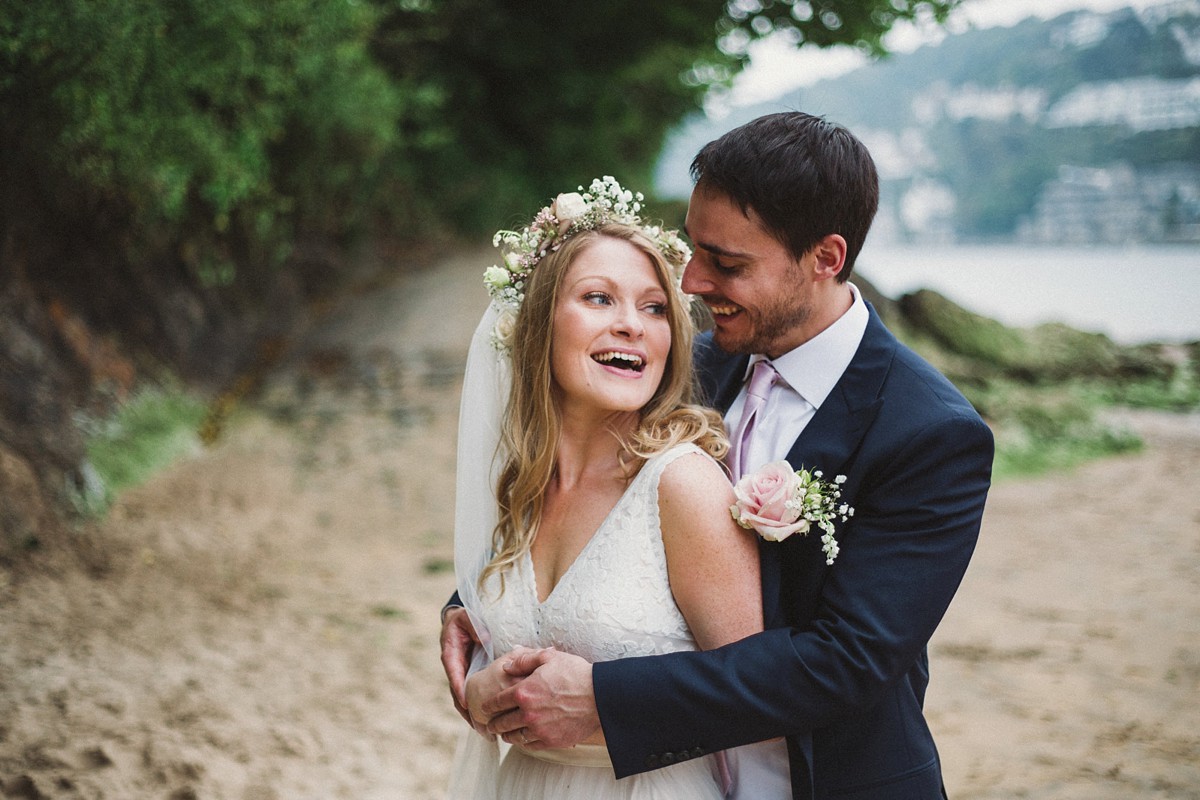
x: 780, y: 211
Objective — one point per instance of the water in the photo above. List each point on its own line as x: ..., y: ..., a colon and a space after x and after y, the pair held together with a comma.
x: 1135, y: 293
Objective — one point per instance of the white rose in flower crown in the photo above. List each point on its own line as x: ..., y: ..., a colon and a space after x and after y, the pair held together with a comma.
x: 502, y: 333
x: 569, y: 207
x: 763, y: 502
x: 496, y: 277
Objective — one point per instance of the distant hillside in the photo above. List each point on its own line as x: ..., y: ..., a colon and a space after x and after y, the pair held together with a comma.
x: 1081, y: 128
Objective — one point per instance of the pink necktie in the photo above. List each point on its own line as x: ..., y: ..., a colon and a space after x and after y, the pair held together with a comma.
x: 761, y: 381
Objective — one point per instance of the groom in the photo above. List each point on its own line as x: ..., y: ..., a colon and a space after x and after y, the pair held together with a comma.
x: 778, y: 215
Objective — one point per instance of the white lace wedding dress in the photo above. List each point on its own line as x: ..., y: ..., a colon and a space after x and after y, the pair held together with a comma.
x: 615, y: 601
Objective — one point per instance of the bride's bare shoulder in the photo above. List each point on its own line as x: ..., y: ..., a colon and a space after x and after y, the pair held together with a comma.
x: 694, y: 478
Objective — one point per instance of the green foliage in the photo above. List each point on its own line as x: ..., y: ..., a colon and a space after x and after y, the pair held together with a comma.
x: 861, y: 23
x: 213, y: 134
x: 1176, y: 388
x: 1046, y: 429
x: 150, y: 430
x: 1018, y: 455
x: 210, y: 129
x: 523, y: 100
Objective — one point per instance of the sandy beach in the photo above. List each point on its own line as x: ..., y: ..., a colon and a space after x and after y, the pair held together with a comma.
x: 259, y: 621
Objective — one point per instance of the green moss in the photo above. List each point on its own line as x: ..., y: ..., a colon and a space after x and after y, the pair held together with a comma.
x: 981, y: 347
x: 963, y: 332
x: 1040, y: 388
x: 1175, y: 389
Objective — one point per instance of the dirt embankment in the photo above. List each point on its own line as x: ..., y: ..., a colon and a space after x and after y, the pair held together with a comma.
x: 263, y: 625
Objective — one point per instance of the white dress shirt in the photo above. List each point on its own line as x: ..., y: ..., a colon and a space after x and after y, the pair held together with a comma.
x: 807, y: 375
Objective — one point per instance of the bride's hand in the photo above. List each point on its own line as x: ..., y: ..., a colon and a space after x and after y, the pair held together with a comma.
x: 486, y: 684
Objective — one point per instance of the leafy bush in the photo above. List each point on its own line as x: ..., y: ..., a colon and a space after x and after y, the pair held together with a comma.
x: 206, y: 129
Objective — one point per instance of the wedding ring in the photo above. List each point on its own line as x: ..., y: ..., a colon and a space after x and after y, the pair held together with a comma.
x: 524, y: 736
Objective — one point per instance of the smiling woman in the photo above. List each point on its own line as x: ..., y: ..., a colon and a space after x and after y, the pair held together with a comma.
x: 605, y: 290
x: 613, y: 535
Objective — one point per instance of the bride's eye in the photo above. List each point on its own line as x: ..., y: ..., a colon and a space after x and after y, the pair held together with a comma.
x: 657, y: 309
x: 597, y: 298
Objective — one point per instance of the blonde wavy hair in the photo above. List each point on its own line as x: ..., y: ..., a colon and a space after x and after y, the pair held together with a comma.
x: 532, y: 426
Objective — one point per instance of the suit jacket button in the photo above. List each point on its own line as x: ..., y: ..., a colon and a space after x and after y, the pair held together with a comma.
x: 668, y: 758
x: 697, y: 752
x: 652, y: 762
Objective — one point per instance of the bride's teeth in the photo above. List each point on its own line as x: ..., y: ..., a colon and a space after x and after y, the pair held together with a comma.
x: 605, y: 358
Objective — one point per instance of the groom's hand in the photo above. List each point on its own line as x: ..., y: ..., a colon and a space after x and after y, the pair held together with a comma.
x: 553, y: 707
x: 458, y: 638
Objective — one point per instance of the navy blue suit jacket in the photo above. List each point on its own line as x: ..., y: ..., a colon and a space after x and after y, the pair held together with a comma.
x: 843, y: 667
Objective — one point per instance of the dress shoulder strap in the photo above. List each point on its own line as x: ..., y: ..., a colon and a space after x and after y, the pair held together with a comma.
x: 660, y: 461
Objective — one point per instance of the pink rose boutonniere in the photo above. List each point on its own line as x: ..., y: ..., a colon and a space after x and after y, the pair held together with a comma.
x: 778, y: 501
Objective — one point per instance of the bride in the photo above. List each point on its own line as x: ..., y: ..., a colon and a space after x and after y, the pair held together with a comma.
x: 609, y: 533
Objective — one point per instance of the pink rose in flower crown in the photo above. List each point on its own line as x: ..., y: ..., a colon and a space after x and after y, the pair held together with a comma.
x: 763, y: 502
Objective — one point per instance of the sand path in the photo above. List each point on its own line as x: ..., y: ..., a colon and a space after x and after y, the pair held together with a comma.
x: 264, y: 626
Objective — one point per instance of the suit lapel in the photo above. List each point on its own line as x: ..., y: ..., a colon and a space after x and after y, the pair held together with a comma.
x: 835, y: 431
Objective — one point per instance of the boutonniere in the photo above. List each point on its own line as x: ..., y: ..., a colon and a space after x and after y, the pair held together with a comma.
x: 778, y: 501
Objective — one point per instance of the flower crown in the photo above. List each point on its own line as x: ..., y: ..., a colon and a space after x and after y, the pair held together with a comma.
x: 604, y: 201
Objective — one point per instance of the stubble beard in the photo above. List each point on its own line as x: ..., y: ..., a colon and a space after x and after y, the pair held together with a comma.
x: 767, y: 326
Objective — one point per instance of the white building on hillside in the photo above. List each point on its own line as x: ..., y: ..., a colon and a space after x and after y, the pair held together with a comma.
x: 1142, y: 104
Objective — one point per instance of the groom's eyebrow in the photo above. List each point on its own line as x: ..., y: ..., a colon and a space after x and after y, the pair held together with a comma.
x: 715, y: 249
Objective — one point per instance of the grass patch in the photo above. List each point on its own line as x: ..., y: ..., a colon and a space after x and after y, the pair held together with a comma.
x: 1042, y: 429
x: 1181, y: 392
x: 1019, y: 455
x: 145, y: 434
x: 385, y: 611
x: 437, y: 566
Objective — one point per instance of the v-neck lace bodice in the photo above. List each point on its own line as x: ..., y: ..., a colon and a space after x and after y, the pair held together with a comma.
x: 614, y: 601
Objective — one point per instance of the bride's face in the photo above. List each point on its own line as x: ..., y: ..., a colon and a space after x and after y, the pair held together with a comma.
x: 611, y: 333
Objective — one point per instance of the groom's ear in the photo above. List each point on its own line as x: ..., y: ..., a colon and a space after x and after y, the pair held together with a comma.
x: 829, y: 256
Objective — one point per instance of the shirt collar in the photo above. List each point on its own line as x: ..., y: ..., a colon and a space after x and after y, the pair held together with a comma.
x: 815, y: 367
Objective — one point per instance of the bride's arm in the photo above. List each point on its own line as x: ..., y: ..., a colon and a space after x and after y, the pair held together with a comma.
x: 712, y: 563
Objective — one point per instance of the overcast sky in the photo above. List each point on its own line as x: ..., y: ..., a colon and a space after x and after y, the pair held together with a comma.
x: 777, y: 67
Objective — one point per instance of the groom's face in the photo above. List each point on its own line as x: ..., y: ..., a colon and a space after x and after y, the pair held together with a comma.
x: 760, y: 296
